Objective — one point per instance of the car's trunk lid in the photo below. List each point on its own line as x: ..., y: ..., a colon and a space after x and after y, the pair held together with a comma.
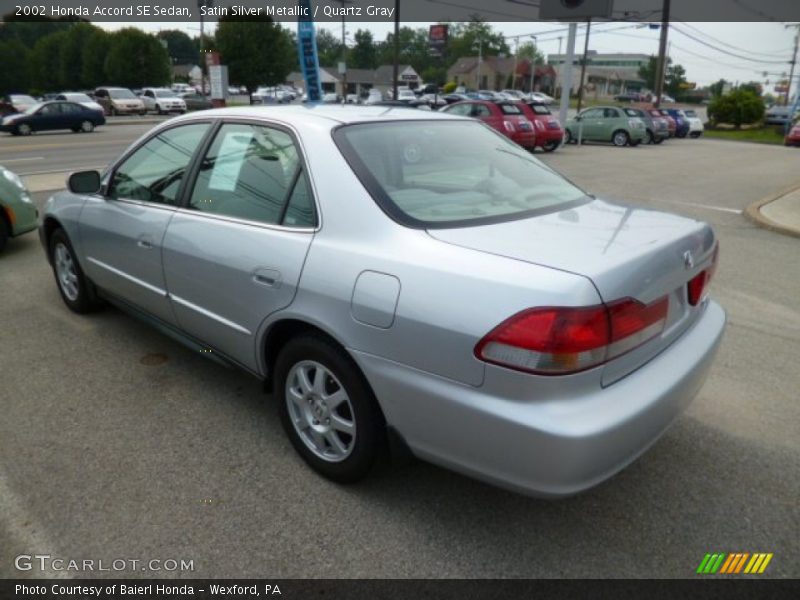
x: 625, y: 251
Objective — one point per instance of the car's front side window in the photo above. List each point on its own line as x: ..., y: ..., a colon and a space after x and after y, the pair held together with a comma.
x: 154, y: 172
x: 253, y: 172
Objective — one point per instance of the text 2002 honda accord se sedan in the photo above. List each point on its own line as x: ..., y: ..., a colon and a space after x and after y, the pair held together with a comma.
x: 400, y: 276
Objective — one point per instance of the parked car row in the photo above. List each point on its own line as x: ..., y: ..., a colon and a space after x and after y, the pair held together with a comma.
x: 630, y: 126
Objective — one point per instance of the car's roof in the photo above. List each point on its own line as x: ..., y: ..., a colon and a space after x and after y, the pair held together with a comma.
x: 327, y: 115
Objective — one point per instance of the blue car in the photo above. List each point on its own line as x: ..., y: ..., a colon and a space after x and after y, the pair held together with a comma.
x: 680, y: 120
x: 48, y: 116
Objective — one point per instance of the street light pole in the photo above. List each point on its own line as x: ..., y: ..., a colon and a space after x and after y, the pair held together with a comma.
x: 533, y: 66
x: 661, y: 63
x: 480, y: 61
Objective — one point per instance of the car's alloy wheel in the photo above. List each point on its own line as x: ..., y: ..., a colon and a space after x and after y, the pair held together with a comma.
x: 24, y: 129
x: 620, y: 138
x: 87, y: 127
x: 76, y: 290
x: 327, y: 409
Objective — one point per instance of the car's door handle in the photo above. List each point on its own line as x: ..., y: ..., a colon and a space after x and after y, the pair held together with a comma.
x: 267, y: 277
x: 145, y: 242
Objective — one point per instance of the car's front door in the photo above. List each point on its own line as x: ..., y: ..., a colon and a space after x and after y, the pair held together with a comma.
x: 234, y: 254
x: 122, y: 230
x: 593, y: 123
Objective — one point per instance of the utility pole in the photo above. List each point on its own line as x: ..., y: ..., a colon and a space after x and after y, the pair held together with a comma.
x: 533, y: 65
x: 516, y: 63
x: 661, y: 63
x: 480, y: 62
x: 343, y: 66
x: 396, y: 69
x: 794, y: 62
x: 583, y: 63
x: 566, y: 84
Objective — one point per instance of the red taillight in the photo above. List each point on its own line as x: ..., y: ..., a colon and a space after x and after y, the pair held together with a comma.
x: 697, y: 285
x: 561, y: 340
x: 539, y: 124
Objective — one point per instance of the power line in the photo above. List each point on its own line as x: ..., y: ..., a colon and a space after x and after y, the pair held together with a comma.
x: 728, y: 52
x: 719, y: 41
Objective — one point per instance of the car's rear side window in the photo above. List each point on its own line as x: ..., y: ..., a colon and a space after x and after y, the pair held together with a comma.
x: 254, y: 172
x: 510, y: 109
x: 451, y: 173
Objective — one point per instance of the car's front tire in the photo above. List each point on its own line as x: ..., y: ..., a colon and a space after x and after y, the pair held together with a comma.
x: 327, y: 409
x: 76, y: 290
x: 87, y: 127
x: 550, y: 146
x: 23, y: 129
x: 568, y: 139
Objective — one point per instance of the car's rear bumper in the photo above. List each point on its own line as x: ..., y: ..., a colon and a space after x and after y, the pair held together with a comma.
x: 526, y: 139
x: 549, y: 135
x: 545, y: 446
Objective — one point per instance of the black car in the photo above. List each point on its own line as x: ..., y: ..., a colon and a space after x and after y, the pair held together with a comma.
x: 195, y: 101
x: 48, y: 116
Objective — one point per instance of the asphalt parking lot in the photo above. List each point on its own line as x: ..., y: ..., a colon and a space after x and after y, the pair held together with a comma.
x: 116, y: 442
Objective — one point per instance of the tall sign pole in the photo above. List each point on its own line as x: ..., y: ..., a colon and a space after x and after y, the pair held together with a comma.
x: 566, y: 82
x: 661, y: 63
x: 396, y: 65
x: 307, y: 51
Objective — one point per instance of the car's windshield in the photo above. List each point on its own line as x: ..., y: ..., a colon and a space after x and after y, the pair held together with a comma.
x: 22, y: 99
x: 690, y: 113
x: 164, y: 93
x: 77, y: 97
x: 122, y: 94
x: 443, y: 174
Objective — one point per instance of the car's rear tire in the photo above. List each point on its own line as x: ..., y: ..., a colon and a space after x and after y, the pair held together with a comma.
x: 550, y: 146
x: 658, y: 140
x: 23, y: 129
x: 327, y: 409
x: 87, y: 127
x: 78, y: 293
x: 5, y: 233
x: 159, y: 110
x: 620, y: 138
x: 568, y: 139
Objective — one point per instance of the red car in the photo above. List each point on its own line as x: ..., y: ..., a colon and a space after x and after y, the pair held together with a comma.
x: 506, y: 117
x: 549, y: 133
x: 793, y: 137
x: 658, y: 113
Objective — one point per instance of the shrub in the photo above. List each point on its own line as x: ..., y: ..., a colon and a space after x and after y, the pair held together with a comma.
x: 449, y: 87
x: 739, y: 107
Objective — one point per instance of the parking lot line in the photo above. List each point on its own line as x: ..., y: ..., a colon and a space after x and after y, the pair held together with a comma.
x: 16, y: 160
x: 735, y: 211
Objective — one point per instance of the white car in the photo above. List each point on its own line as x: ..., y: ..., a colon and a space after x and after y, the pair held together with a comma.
x: 330, y: 98
x: 352, y: 99
x: 541, y: 98
x: 271, y: 95
x: 696, y: 127
x: 162, y: 100
x: 183, y: 88
x: 374, y: 97
x: 79, y: 98
x: 406, y: 95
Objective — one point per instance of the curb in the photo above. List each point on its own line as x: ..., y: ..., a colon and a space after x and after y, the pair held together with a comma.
x: 753, y: 212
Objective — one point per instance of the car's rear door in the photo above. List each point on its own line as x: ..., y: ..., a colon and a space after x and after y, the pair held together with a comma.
x: 122, y: 229
x: 234, y: 252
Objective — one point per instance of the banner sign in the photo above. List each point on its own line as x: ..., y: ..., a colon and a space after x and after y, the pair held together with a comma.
x: 307, y: 50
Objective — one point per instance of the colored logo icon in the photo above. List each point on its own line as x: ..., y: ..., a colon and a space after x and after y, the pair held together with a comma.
x: 734, y: 563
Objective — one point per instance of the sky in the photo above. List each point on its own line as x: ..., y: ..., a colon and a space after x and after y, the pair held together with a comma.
x: 741, y: 51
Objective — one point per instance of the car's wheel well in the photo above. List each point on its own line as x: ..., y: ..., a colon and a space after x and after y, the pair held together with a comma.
x: 50, y: 225
x: 279, y: 334
x: 7, y: 221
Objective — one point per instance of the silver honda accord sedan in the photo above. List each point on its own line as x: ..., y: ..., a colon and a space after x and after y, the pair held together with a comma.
x: 402, y: 280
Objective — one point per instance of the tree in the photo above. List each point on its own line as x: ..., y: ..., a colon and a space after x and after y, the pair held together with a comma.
x: 14, y: 76
x: 753, y: 86
x: 180, y: 47
x: 93, y: 71
x: 364, y: 55
x: 674, y: 79
x: 73, y: 53
x: 718, y: 88
x: 329, y: 48
x: 464, y: 39
x: 43, y: 63
x: 256, y: 50
x: 530, y: 52
x: 739, y: 107
x: 136, y: 59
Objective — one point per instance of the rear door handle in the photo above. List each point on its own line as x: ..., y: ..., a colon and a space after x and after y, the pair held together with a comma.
x: 267, y: 277
x: 145, y: 242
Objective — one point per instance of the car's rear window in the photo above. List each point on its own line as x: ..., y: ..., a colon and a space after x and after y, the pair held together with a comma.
x: 632, y: 113
x: 430, y: 174
x: 510, y: 109
x: 540, y: 109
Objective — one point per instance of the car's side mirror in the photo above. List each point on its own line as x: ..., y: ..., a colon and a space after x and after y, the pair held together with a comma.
x: 84, y: 182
